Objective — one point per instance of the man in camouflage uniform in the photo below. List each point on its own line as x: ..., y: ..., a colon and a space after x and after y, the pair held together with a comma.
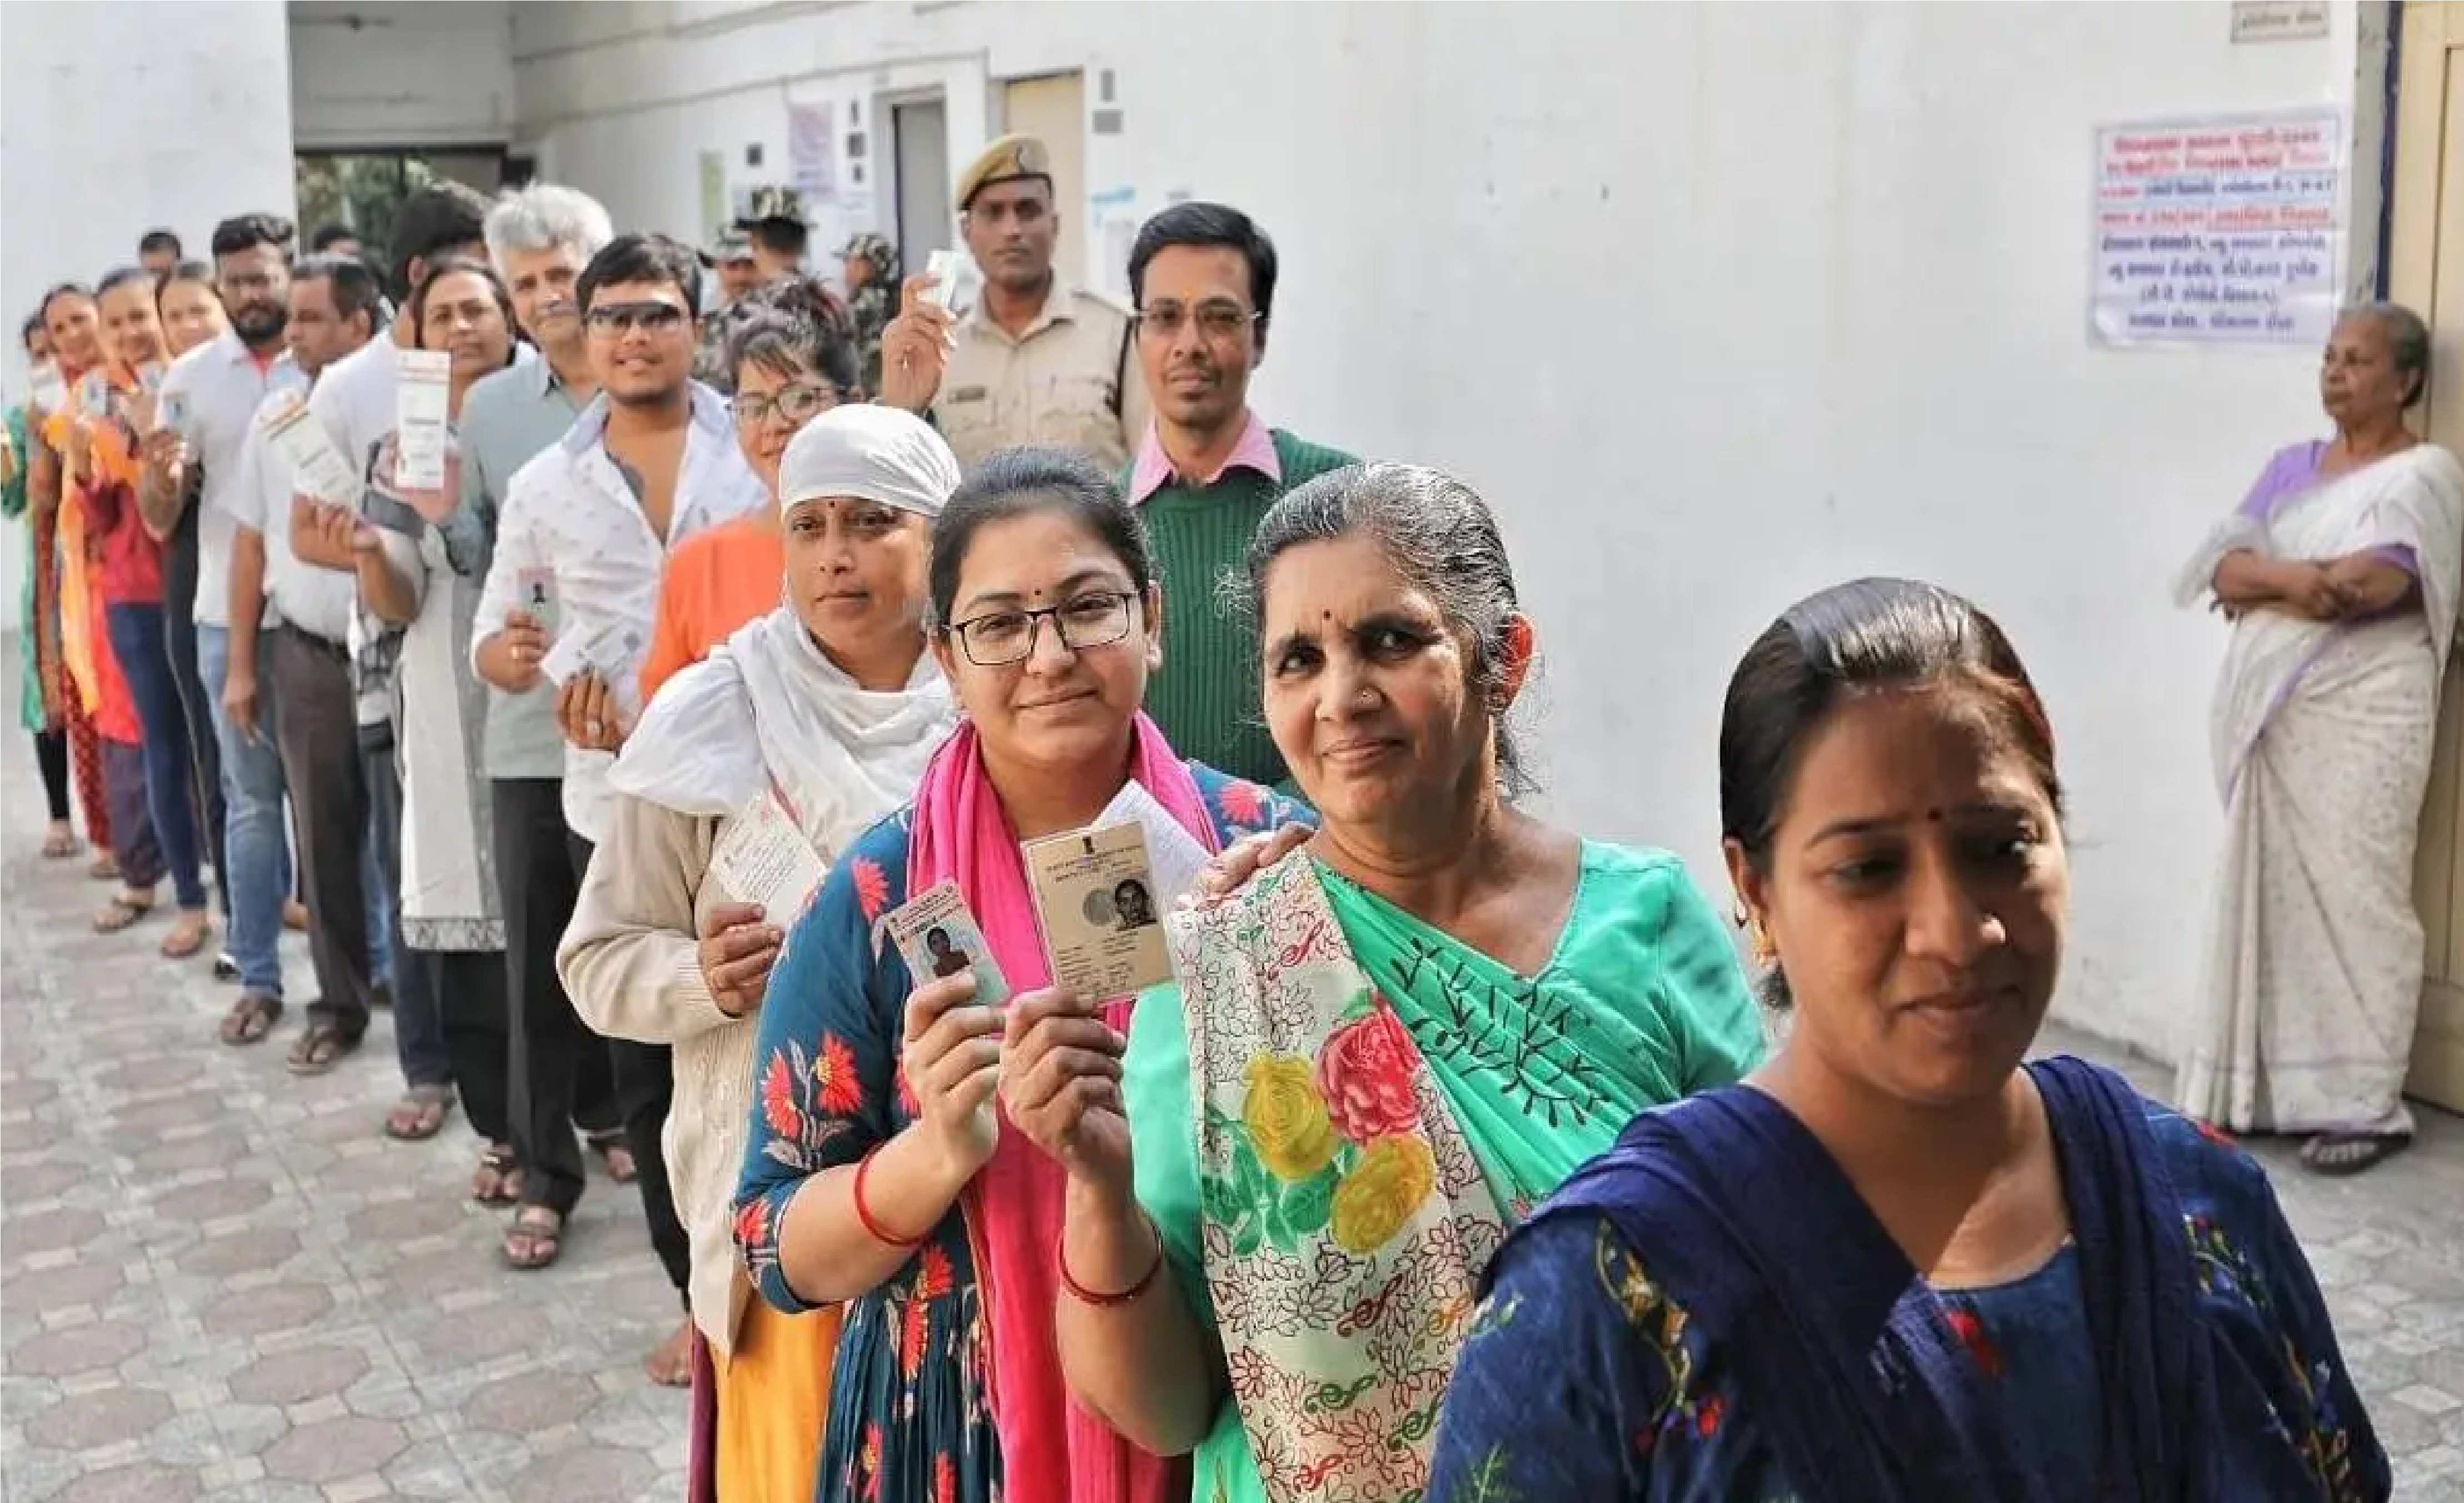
x: 774, y: 217
x: 872, y: 268
x: 731, y: 255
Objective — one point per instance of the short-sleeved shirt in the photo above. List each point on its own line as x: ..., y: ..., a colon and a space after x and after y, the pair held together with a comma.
x: 222, y: 383
x: 1069, y: 380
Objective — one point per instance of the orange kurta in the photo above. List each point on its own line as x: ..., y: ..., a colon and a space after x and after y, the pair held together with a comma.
x: 715, y: 582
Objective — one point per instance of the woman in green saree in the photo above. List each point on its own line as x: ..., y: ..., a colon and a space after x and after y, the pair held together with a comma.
x: 1382, y: 1052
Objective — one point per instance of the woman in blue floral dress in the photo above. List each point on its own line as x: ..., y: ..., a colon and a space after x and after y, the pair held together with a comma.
x: 879, y: 1171
x: 1896, y: 1265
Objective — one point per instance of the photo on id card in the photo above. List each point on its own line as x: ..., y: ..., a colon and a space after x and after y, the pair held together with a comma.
x: 1095, y: 897
x: 938, y: 936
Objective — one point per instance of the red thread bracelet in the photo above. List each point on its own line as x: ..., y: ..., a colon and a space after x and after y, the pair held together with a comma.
x: 871, y: 1228
x: 1088, y: 1297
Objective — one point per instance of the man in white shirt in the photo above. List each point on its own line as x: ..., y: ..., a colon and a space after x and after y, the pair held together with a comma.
x: 214, y: 392
x: 287, y: 690
x: 650, y: 461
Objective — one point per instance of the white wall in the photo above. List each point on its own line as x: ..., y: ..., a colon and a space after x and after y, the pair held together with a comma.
x: 1717, y: 304
x: 117, y: 116
x: 390, y: 73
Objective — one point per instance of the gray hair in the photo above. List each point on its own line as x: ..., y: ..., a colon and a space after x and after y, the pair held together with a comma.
x: 547, y: 216
x: 1439, y: 536
x: 2408, y: 339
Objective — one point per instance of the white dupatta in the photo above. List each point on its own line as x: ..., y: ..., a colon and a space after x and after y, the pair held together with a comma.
x: 2413, y: 499
x: 768, y: 706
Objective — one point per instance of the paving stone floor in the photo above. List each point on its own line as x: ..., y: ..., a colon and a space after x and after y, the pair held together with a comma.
x: 217, y: 1281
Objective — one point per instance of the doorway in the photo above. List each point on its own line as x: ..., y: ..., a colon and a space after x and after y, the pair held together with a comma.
x: 920, y: 138
x: 1053, y: 108
x: 2427, y: 275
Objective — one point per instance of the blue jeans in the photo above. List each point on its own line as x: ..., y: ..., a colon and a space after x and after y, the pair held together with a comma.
x: 171, y: 795
x: 254, y: 844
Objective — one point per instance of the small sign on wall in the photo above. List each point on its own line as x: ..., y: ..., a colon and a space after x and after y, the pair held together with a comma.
x: 2223, y: 231
x: 2279, y: 20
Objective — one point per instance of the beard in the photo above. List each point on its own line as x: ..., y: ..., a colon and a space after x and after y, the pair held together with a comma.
x: 260, y: 323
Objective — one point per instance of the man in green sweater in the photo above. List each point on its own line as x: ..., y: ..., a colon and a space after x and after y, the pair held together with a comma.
x: 1202, y: 281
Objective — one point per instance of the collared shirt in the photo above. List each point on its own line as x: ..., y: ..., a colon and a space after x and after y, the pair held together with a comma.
x: 223, y: 383
x: 1068, y: 380
x: 303, y: 596
x: 508, y: 420
x: 1254, y: 451
x: 569, y: 511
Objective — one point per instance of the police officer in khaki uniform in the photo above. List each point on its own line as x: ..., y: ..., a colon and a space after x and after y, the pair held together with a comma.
x: 1034, y: 360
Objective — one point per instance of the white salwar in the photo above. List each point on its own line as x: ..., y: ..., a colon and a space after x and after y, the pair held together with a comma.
x: 2321, y: 735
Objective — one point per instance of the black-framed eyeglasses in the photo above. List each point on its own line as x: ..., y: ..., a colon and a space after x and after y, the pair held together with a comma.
x: 1217, y: 319
x: 623, y: 318
x: 798, y: 403
x: 998, y: 638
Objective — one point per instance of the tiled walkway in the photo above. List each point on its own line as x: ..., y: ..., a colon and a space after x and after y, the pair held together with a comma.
x: 217, y: 1281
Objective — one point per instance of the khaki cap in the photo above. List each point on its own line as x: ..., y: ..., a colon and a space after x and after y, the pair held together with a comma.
x: 1012, y: 157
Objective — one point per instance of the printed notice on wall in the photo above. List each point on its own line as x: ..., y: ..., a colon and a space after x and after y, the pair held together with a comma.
x: 2222, y: 232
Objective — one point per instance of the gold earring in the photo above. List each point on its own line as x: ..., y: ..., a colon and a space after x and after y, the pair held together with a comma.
x: 1765, y: 953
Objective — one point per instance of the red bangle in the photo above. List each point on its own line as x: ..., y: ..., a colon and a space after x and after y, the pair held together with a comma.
x: 873, y: 1228
x: 1088, y: 1297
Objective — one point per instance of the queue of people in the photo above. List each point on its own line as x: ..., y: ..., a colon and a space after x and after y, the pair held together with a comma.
x: 1461, y: 1158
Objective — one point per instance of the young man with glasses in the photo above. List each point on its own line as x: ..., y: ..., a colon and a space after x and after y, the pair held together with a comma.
x: 591, y: 523
x: 1034, y: 360
x: 1203, y: 276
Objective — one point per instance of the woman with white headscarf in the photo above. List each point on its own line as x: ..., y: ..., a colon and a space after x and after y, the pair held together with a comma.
x: 809, y: 725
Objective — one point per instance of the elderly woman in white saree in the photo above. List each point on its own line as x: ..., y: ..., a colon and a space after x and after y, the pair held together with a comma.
x: 801, y: 731
x: 2341, y: 575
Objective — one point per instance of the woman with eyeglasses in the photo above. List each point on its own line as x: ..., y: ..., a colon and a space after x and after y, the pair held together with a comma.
x: 830, y: 705
x: 879, y: 1173
x: 792, y: 352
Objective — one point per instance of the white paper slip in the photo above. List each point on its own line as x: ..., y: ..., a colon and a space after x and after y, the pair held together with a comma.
x: 94, y: 396
x: 420, y: 394
x: 51, y: 392
x: 1173, y: 852
x: 612, y: 652
x: 760, y: 856
x: 317, y: 468
x: 149, y: 376
x: 958, y: 280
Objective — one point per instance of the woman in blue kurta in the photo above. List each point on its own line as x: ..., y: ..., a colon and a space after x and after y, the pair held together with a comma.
x: 947, y: 1387
x: 1896, y: 1265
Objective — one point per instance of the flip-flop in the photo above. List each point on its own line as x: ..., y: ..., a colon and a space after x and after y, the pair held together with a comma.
x: 534, y: 1240
x: 499, y: 1180
x: 320, y: 1049
x: 2341, y: 1155
x: 616, y: 1155
x: 420, y: 1114
x: 250, y: 1018
x: 62, y: 843
x: 188, y: 935
x: 105, y: 868
x: 119, y: 914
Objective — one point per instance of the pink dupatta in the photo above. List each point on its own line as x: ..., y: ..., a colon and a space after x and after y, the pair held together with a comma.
x: 1052, y: 1450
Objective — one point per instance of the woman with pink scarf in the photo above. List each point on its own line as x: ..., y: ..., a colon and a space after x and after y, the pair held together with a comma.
x: 879, y: 1171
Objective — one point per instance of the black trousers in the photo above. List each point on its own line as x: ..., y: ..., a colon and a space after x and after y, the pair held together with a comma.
x: 180, y: 639
x: 478, y: 1035
x: 316, y: 725
x: 645, y: 1088
x: 563, y: 1074
x: 51, y: 751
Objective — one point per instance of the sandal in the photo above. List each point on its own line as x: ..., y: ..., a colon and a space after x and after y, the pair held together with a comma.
x: 499, y: 1181
x: 2340, y: 1155
x: 535, y: 1239
x: 60, y: 842
x: 189, y: 934
x: 123, y: 911
x: 320, y: 1050
x: 612, y: 1152
x: 105, y: 868
x: 420, y: 1114
x: 250, y: 1018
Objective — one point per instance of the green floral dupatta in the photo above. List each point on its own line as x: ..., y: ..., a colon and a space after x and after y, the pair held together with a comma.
x: 1373, y: 1101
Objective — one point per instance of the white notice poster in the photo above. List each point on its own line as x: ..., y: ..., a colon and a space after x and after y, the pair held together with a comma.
x: 2220, y: 232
